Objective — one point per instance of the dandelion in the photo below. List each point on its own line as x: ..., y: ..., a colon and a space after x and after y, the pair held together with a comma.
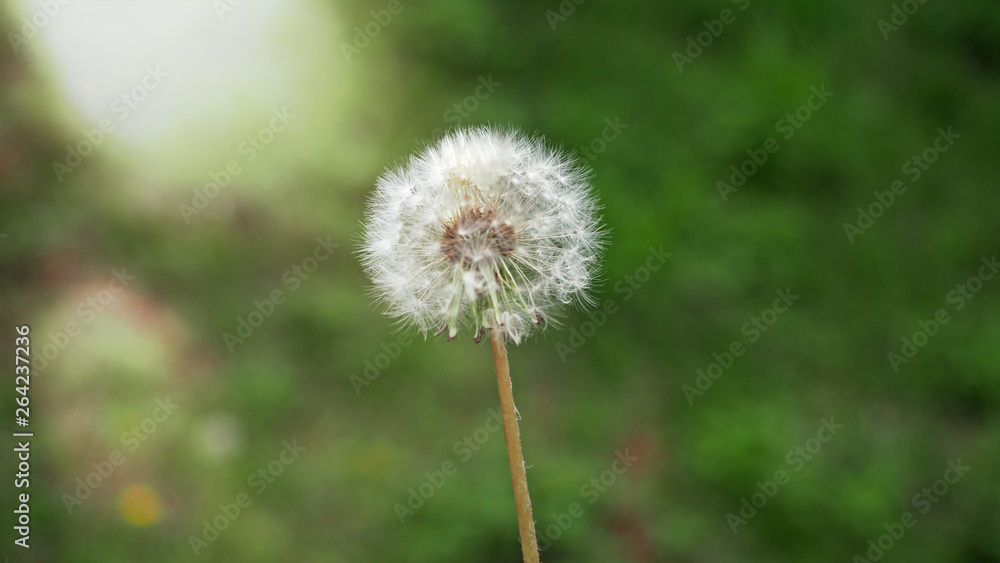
x: 487, y: 230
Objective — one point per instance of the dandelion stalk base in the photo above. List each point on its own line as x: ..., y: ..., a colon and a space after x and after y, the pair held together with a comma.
x: 518, y: 476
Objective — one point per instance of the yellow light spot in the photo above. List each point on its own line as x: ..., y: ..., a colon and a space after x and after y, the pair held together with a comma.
x: 140, y: 505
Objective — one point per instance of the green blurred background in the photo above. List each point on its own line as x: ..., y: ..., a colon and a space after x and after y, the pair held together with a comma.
x: 360, y: 88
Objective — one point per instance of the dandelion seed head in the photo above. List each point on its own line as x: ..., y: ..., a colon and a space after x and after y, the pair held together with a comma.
x: 487, y: 229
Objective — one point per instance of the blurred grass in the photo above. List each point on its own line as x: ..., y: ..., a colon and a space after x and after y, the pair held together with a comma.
x: 623, y: 389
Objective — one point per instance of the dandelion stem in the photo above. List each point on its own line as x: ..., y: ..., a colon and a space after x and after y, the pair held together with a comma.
x: 518, y: 477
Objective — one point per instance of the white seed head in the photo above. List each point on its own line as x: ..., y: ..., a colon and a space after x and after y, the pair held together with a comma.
x: 487, y: 229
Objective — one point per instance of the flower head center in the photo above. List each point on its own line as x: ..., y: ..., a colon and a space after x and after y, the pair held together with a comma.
x: 477, y: 237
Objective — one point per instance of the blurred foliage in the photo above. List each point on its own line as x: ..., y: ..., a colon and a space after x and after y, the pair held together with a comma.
x: 622, y: 391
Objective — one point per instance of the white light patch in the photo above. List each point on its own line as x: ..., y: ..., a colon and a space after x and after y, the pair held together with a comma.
x: 172, y: 89
x: 151, y: 64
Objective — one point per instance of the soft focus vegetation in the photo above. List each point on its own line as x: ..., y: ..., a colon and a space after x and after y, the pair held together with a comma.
x: 196, y: 276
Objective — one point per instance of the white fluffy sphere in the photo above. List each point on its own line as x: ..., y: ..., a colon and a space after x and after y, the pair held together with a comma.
x: 487, y: 229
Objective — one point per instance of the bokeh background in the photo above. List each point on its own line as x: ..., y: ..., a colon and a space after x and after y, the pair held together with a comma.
x: 295, y: 107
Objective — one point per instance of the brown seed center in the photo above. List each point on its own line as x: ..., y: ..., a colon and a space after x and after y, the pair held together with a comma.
x: 477, y: 235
